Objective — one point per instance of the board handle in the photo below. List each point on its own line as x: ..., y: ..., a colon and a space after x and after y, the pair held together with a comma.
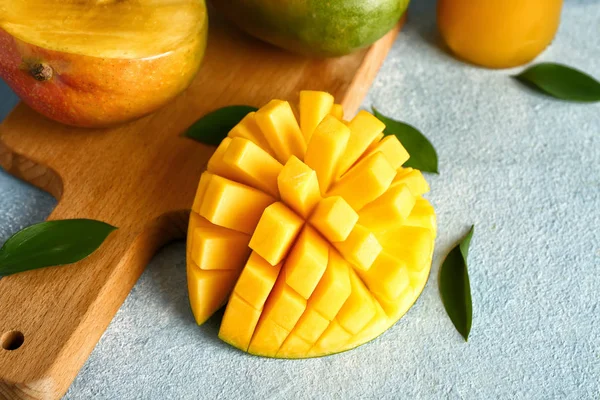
x: 51, y: 318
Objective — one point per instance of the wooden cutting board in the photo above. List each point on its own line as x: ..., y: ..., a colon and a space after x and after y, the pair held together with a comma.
x: 140, y: 177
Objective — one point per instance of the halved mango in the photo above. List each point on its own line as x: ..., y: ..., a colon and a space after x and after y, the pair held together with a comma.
x: 342, y: 238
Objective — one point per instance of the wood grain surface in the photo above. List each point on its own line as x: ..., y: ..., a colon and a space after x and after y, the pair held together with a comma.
x: 140, y: 177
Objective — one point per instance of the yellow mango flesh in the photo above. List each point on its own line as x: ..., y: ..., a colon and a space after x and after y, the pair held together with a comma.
x: 325, y: 150
x: 275, y: 233
x: 299, y: 187
x: 314, y: 106
x: 334, y: 218
x: 337, y: 110
x: 312, y: 229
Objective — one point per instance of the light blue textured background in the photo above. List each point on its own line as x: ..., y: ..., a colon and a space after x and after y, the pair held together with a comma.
x: 525, y: 169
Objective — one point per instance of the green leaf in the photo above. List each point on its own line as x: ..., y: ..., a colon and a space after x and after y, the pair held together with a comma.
x: 455, y: 287
x: 422, y: 153
x: 561, y: 81
x: 52, y: 243
x: 214, y: 127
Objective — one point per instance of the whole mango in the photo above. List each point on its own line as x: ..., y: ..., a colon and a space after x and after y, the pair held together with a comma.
x: 316, y: 28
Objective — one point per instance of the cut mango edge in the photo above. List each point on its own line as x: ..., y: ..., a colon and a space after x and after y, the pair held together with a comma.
x: 291, y: 207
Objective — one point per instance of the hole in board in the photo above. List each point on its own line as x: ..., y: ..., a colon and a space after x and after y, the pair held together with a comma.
x: 12, y: 340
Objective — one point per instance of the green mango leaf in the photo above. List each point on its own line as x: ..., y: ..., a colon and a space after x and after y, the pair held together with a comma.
x: 561, y: 81
x: 422, y: 153
x: 214, y: 127
x: 52, y: 243
x: 455, y: 287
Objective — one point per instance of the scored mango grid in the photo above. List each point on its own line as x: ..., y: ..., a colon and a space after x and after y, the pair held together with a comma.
x: 303, y: 210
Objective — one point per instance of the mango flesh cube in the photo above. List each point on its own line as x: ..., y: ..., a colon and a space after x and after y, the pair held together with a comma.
x: 331, y: 340
x: 365, y: 128
x: 307, y: 262
x: 378, y: 324
x: 215, y: 247
x: 205, y: 178
x: 333, y: 289
x: 249, y: 129
x: 422, y: 215
x: 275, y: 233
x: 365, y: 182
x: 391, y: 208
x: 325, y: 149
x: 314, y: 106
x: 392, y: 149
x: 334, y: 218
x: 358, y: 309
x: 412, y: 178
x: 310, y: 326
x: 411, y: 244
x: 208, y: 290
x: 232, y: 205
x: 216, y: 165
x: 249, y: 164
x: 294, y: 347
x: 299, y: 187
x: 361, y: 248
x: 396, y: 308
x: 387, y: 277
x: 267, y: 339
x: 239, y: 322
x: 256, y: 281
x: 278, y: 123
x: 337, y: 110
x: 373, y: 145
x: 284, y: 306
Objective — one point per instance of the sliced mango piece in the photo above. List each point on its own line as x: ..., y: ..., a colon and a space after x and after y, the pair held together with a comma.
x: 392, y: 149
x: 361, y: 248
x: 337, y: 110
x: 205, y: 178
x: 422, y: 215
x: 358, y: 309
x: 208, y: 290
x: 239, y: 322
x: 365, y: 182
x: 275, y: 233
x: 247, y: 163
x: 325, y: 149
x: 334, y: 287
x: 372, y: 146
x: 390, y: 209
x: 268, y: 338
x: 278, y: 123
x: 331, y: 341
x: 398, y: 307
x: 411, y: 244
x: 256, y: 281
x: 215, y: 247
x: 307, y: 262
x: 284, y: 306
x: 232, y: 205
x: 314, y: 106
x: 413, y: 178
x: 249, y: 129
x: 376, y: 326
x: 216, y: 165
x: 334, y: 218
x: 299, y: 187
x: 387, y: 277
x: 310, y: 326
x: 294, y: 347
x: 364, y: 128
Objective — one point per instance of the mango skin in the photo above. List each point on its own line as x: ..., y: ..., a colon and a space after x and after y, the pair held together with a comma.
x: 94, y: 92
x: 316, y: 28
